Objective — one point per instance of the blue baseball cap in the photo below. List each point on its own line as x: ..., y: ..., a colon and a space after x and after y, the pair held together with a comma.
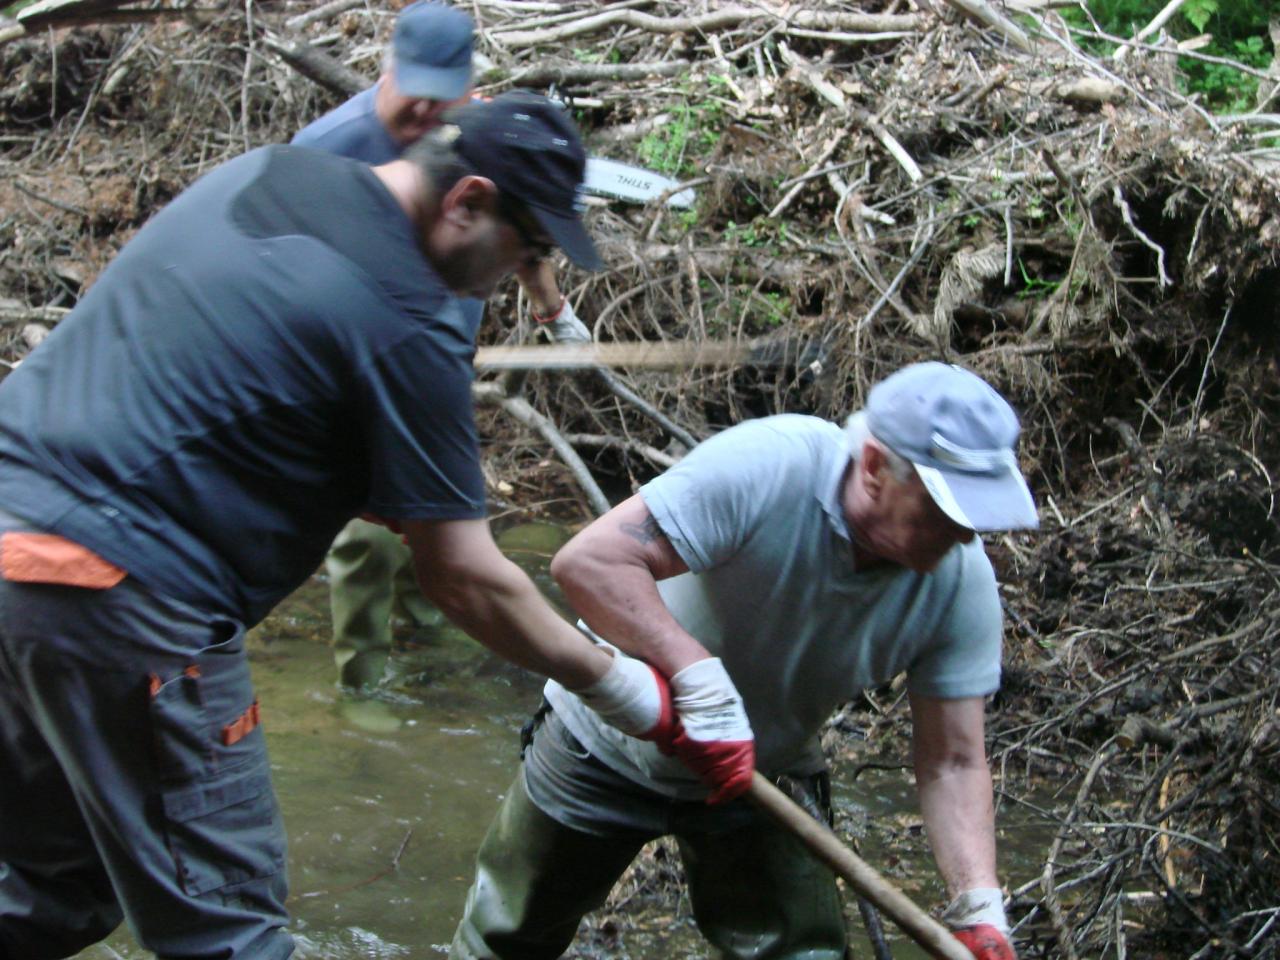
x: 960, y: 435
x: 527, y: 145
x: 431, y: 46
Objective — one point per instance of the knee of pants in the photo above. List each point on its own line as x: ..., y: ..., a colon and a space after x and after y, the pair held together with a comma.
x: 791, y: 910
x: 534, y: 881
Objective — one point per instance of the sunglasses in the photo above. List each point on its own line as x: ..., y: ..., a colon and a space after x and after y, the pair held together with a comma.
x: 526, y: 227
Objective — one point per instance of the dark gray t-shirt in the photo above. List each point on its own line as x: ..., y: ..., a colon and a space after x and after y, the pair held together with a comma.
x: 268, y: 357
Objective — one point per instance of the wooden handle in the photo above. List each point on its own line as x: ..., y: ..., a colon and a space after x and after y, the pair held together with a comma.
x: 650, y: 355
x: 826, y: 846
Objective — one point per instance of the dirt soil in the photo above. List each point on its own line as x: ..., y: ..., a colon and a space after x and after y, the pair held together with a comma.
x: 876, y: 184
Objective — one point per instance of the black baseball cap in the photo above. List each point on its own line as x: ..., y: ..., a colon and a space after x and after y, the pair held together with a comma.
x: 527, y: 145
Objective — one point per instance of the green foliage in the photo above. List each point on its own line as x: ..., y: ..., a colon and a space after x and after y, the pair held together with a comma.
x: 746, y: 234
x: 1225, y: 88
x: 1035, y: 288
x: 1200, y: 12
x: 748, y: 311
x: 587, y: 55
x: 1238, y: 29
x: 692, y: 132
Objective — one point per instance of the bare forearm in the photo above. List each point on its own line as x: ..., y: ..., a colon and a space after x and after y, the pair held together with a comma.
x: 622, y: 604
x: 960, y: 821
x: 504, y: 611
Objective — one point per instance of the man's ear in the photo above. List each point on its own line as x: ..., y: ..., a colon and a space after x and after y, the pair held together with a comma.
x: 467, y: 199
x: 874, y: 468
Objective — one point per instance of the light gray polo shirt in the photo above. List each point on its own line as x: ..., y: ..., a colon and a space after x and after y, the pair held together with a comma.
x: 755, y: 513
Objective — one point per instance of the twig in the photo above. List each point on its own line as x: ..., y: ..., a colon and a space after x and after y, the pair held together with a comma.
x: 799, y: 182
x: 917, y: 251
x: 1204, y: 373
x: 57, y: 204
x: 1065, y: 940
x: 325, y: 11
x: 1117, y: 197
x: 520, y: 409
x: 544, y: 74
x: 715, y: 20
x: 1158, y: 21
x: 987, y: 15
x: 650, y: 453
x: 316, y: 65
x: 391, y: 868
x: 832, y: 95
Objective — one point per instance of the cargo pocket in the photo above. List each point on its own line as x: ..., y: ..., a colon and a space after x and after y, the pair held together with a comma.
x: 222, y: 821
x: 226, y: 831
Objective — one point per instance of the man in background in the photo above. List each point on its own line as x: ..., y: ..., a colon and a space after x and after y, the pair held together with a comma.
x: 427, y: 69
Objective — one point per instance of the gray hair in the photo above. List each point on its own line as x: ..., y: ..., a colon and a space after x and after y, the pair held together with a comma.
x: 857, y: 432
x: 434, y: 154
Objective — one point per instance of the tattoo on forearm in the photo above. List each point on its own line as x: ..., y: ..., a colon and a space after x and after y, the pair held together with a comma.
x: 645, y: 532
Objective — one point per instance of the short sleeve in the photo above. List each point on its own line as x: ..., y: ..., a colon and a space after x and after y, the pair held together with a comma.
x: 964, y: 658
x: 424, y: 453
x: 709, y: 503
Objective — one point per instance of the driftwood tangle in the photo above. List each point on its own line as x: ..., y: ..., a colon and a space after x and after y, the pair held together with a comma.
x: 878, y: 182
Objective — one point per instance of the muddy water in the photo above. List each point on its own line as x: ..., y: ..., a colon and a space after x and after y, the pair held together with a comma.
x: 385, y: 800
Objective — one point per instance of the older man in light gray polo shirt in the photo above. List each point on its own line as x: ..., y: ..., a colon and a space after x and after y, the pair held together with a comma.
x: 781, y: 568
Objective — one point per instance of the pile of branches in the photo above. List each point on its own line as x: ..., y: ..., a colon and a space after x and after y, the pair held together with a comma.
x: 877, y: 183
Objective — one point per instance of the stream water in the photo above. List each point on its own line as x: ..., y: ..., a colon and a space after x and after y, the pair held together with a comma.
x: 386, y: 800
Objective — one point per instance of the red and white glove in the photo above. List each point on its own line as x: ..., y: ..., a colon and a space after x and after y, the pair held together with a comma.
x: 713, y: 736
x: 633, y: 697
x: 977, y: 920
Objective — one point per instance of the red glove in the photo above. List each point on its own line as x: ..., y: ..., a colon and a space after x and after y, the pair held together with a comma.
x: 635, y: 698
x: 986, y: 942
x: 977, y: 919
x: 713, y: 736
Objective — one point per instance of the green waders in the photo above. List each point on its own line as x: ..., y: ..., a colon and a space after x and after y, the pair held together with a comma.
x: 756, y: 893
x: 370, y: 579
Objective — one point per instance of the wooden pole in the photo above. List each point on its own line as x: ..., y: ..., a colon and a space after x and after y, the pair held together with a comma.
x: 826, y: 846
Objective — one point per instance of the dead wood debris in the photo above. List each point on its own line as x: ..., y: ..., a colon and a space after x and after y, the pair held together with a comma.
x: 878, y: 183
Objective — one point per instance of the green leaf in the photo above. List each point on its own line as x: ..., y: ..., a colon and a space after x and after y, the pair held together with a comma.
x: 1199, y: 12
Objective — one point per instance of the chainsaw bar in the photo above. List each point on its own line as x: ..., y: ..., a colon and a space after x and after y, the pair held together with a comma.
x: 621, y: 181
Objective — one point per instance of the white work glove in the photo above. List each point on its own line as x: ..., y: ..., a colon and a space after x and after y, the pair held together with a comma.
x: 564, y: 326
x: 633, y: 697
x: 977, y: 919
x: 713, y: 735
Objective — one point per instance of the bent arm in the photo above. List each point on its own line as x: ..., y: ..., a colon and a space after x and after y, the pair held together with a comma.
x: 461, y: 570
x: 609, y: 573
x: 539, y: 283
x: 954, y: 784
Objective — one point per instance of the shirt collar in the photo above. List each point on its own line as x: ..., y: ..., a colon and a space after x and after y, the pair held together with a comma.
x: 829, y: 493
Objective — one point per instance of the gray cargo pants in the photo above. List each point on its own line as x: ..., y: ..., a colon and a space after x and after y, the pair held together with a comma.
x: 134, y: 782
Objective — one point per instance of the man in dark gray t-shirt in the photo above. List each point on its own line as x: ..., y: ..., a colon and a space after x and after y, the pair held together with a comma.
x: 277, y: 350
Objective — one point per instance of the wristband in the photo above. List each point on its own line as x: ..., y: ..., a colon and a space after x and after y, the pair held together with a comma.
x: 539, y: 319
